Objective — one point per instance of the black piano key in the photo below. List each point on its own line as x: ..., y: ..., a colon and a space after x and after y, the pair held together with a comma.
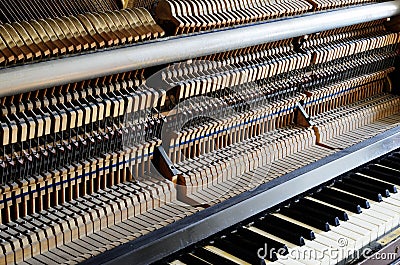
x: 240, y: 248
x: 263, y: 240
x: 342, y: 215
x: 263, y: 251
x: 383, y: 169
x: 359, y: 191
x: 305, y: 218
x: 375, y: 182
x: 347, y: 197
x: 190, y: 259
x: 302, y: 231
x: 367, y: 186
x: 393, y: 157
x: 211, y: 257
x: 281, y: 232
x: 353, y: 207
x: 381, y: 173
x: 326, y: 217
x: 390, y: 163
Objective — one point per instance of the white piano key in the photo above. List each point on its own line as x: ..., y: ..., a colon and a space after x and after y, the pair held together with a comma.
x: 360, y: 225
x: 381, y: 212
x: 225, y: 255
x: 377, y: 212
x: 329, y: 239
x: 364, y: 233
x: 323, y: 249
x: 295, y: 252
x: 393, y: 201
x: 177, y: 262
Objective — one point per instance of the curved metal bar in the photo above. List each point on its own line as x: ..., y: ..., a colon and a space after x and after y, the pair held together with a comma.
x: 40, y: 75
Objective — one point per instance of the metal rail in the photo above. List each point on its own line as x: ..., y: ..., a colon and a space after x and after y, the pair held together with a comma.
x: 192, y: 229
x: 51, y: 73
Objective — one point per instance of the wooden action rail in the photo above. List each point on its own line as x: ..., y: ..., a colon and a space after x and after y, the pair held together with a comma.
x: 23, y: 41
x: 33, y: 10
x: 183, y: 17
x: 37, y: 37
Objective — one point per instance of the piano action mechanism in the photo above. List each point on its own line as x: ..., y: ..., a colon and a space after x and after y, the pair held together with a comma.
x: 199, y: 132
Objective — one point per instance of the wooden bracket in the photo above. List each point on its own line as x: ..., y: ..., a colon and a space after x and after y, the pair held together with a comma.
x: 164, y: 165
x: 301, y: 117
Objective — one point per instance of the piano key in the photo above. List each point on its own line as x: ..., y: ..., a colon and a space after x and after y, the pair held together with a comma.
x: 380, y: 214
x: 211, y: 257
x: 342, y: 215
x: 288, y: 261
x: 358, y: 219
x: 282, y: 232
x: 304, y: 232
x: 303, y: 251
x: 345, y: 196
x: 190, y: 259
x: 351, y: 188
x: 176, y: 262
x: 382, y: 173
x: 390, y: 163
x: 333, y: 220
x: 247, y: 251
x: 367, y: 186
x: 375, y: 181
x: 262, y: 240
x: 393, y: 158
x: 338, y: 238
x: 355, y: 208
x: 231, y: 251
x: 310, y: 220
